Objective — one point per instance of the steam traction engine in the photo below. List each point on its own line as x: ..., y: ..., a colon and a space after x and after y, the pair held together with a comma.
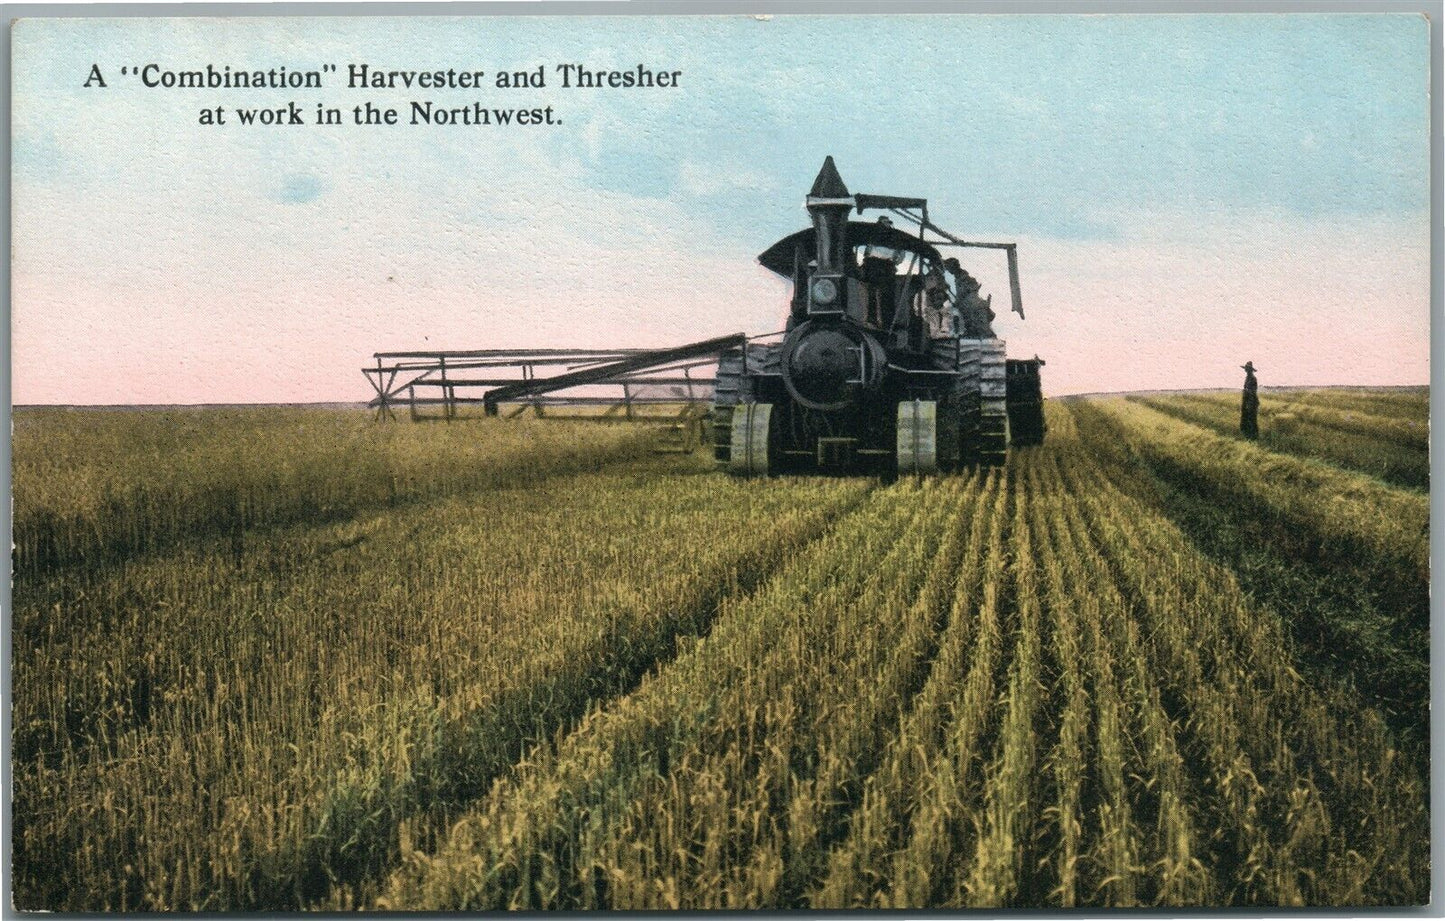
x: 888, y: 361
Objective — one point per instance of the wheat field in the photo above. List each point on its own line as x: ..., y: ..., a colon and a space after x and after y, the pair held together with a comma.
x: 279, y: 659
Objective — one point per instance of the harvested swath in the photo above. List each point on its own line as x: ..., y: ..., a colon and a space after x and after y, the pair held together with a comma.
x: 1322, y: 808
x: 1168, y: 870
x: 1000, y: 862
x: 902, y: 806
x: 1411, y: 403
x: 1285, y: 411
x: 1348, y: 514
x: 1400, y: 463
x: 1316, y: 815
x: 1351, y: 622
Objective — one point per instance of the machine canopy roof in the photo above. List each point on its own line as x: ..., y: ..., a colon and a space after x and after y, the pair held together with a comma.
x: 779, y: 256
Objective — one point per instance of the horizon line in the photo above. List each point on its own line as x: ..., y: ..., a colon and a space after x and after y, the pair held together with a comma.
x: 365, y: 404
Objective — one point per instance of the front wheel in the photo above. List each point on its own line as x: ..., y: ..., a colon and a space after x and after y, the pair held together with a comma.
x: 917, y: 437
x: 750, y: 431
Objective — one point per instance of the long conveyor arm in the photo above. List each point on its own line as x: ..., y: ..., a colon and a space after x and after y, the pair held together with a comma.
x: 607, y: 372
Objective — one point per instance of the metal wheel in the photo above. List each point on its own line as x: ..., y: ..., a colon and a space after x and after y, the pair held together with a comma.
x: 982, y: 365
x: 748, y: 437
x: 951, y: 424
x: 992, y: 439
x: 917, y: 437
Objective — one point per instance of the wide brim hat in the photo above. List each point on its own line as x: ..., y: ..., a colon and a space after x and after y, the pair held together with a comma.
x: 1249, y: 366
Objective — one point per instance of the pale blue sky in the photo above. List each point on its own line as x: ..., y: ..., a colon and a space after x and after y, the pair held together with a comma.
x: 1112, y: 141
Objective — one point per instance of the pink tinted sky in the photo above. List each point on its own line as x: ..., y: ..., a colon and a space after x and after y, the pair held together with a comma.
x: 1146, y: 314
x: 158, y: 262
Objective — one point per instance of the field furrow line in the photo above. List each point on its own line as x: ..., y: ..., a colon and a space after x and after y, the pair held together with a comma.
x: 1256, y: 721
x: 852, y: 750
x: 1113, y: 852
x: 859, y: 872
x: 1172, y: 872
x: 1068, y: 762
x: 1358, y: 623
x: 737, y: 706
x: 1208, y: 715
x: 941, y: 828
x: 770, y: 833
x: 1349, y: 517
x: 370, y: 761
x: 1404, y: 465
x: 1000, y: 865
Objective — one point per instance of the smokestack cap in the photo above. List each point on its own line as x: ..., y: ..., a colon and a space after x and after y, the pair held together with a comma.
x: 828, y: 184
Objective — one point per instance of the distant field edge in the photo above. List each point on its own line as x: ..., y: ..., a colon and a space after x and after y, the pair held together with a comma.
x: 362, y: 404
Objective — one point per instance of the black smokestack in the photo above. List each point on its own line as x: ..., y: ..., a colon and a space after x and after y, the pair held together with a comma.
x: 830, y: 217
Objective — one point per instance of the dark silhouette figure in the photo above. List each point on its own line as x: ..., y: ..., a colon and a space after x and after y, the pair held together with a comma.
x: 1249, y: 408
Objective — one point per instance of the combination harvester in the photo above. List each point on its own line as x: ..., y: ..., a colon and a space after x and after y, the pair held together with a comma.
x: 888, y: 361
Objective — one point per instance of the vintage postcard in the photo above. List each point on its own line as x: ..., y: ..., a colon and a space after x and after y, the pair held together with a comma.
x: 720, y: 462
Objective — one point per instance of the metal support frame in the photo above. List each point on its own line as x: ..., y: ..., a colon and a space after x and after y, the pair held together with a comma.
x: 542, y: 379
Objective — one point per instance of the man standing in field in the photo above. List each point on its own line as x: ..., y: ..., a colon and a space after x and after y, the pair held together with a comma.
x: 1249, y: 409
